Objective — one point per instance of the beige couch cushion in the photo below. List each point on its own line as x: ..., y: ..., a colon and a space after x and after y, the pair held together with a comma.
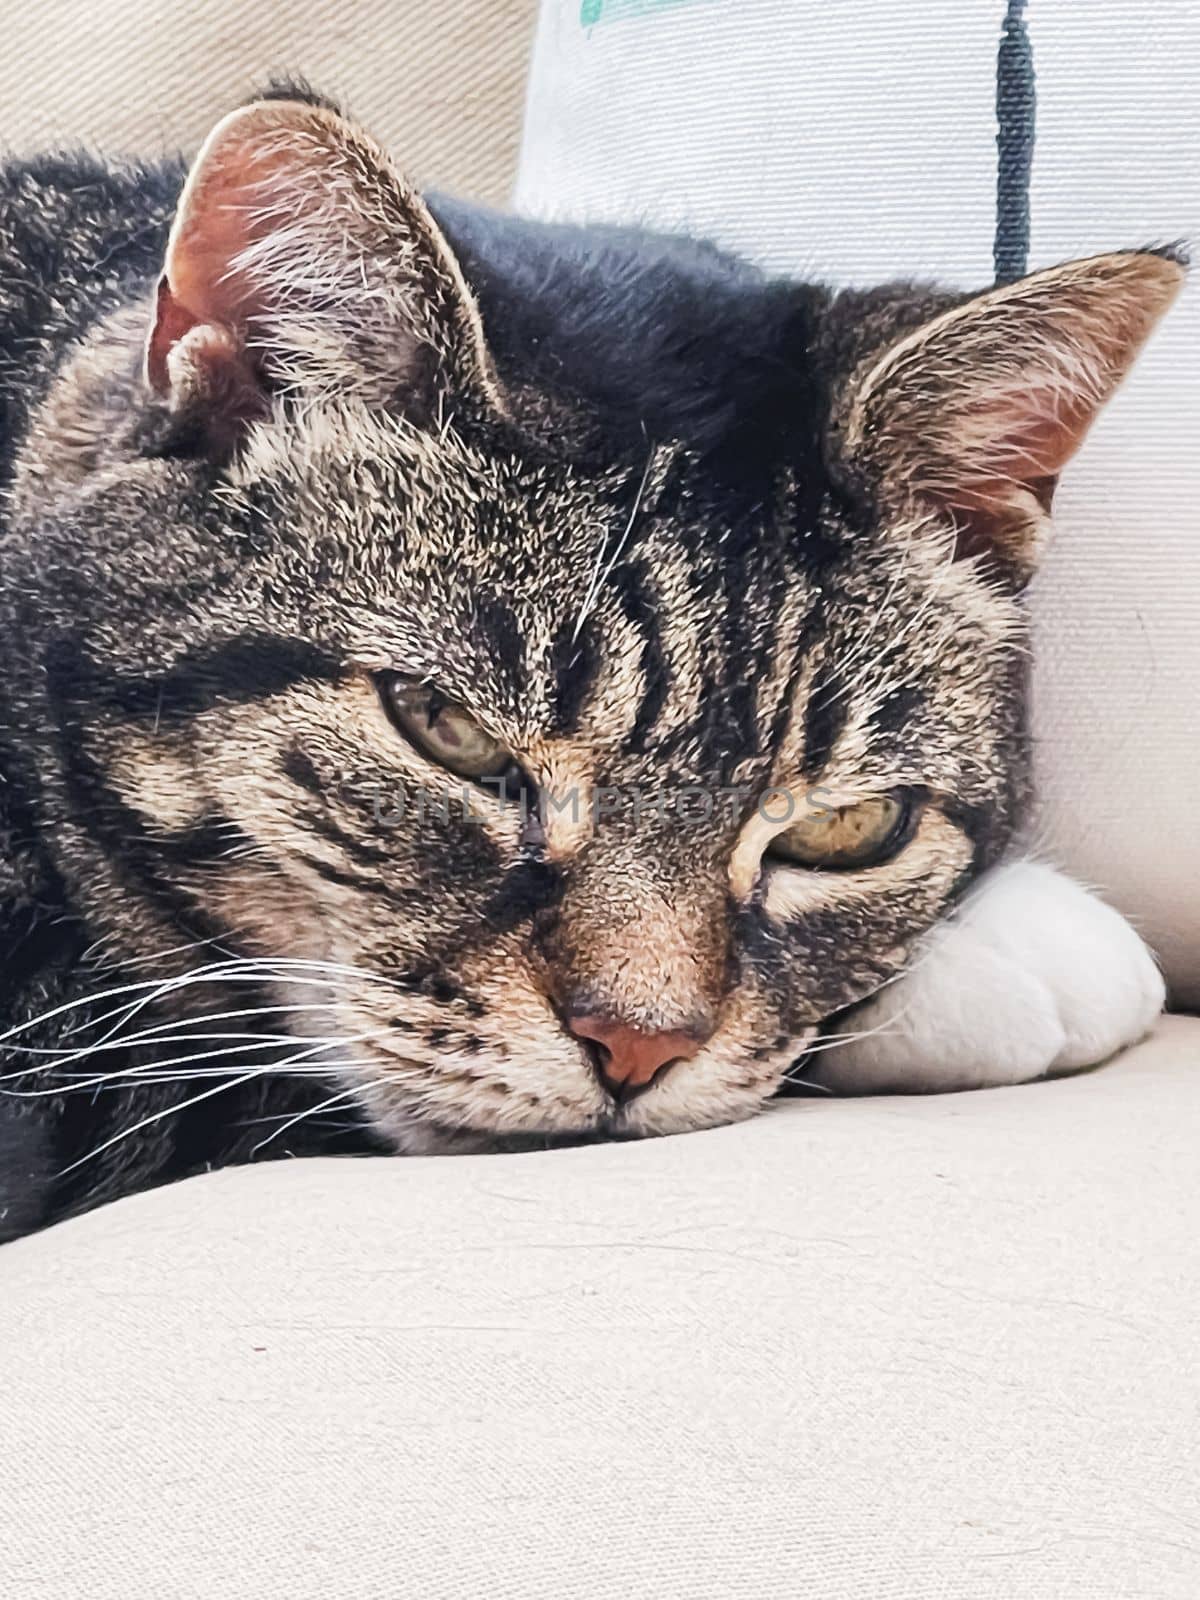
x: 887, y: 1350
x: 440, y: 83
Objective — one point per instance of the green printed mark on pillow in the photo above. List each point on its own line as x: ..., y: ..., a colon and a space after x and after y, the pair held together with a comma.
x: 592, y: 12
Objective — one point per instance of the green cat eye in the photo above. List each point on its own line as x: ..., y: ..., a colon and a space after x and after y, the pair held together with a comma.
x: 442, y: 730
x: 840, y: 838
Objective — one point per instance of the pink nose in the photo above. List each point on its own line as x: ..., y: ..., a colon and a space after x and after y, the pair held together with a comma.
x: 628, y: 1058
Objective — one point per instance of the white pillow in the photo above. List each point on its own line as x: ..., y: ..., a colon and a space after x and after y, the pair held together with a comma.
x: 857, y: 142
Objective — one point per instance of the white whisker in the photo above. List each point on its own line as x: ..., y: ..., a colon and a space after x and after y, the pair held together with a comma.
x: 157, y: 1116
x: 249, y: 970
x: 312, y: 1111
x: 603, y: 568
x: 218, y: 1088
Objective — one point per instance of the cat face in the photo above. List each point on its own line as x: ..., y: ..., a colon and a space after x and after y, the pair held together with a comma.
x: 652, y: 743
x: 552, y: 797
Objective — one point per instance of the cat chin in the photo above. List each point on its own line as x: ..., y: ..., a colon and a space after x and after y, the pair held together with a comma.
x: 418, y: 1137
x: 426, y: 1139
x: 411, y: 1135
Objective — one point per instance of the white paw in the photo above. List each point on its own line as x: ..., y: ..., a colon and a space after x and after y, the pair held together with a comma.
x: 1033, y: 975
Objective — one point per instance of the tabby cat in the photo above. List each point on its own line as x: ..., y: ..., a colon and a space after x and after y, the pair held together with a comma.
x: 469, y: 684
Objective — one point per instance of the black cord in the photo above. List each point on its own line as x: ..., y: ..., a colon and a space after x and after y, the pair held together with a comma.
x: 1016, y: 119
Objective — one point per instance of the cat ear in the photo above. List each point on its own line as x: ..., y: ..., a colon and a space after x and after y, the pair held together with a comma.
x: 977, y: 412
x: 300, y: 259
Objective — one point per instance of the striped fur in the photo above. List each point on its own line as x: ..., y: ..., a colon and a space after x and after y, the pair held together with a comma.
x: 626, y: 559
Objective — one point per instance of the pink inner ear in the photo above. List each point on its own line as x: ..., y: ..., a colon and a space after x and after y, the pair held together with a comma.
x: 1016, y: 441
x: 201, y: 286
x: 171, y: 322
x: 1019, y: 443
x: 1045, y: 432
x: 1023, y: 436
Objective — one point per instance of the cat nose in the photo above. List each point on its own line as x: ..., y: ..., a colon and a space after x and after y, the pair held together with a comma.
x: 629, y: 1059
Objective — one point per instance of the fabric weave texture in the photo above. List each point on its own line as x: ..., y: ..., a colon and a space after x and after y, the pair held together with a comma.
x: 440, y: 84
x: 925, y: 1349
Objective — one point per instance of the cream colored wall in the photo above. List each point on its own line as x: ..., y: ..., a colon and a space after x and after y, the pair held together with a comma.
x: 439, y: 81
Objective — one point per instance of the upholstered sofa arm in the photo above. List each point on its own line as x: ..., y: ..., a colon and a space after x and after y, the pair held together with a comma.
x: 851, y: 1350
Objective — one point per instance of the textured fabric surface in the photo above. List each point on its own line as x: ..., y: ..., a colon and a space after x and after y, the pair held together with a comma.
x: 440, y: 83
x: 857, y: 142
x: 925, y: 1349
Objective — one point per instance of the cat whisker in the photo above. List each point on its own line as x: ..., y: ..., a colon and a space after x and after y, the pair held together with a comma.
x: 312, y: 1111
x: 156, y: 1031
x: 207, y: 1094
x: 603, y: 568
x: 145, y: 989
x: 157, y: 1116
x: 53, y: 1080
x: 806, y: 1083
x: 97, y: 1083
x: 159, y: 1035
x: 144, y: 1072
x: 258, y: 970
x: 838, y: 1041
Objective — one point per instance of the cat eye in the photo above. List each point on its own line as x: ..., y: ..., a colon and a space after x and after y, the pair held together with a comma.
x: 840, y: 838
x: 442, y: 730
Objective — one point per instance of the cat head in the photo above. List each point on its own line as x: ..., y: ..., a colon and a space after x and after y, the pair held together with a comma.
x: 550, y: 795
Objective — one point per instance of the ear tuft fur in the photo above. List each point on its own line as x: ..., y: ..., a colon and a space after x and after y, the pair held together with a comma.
x: 313, y: 267
x: 977, y: 412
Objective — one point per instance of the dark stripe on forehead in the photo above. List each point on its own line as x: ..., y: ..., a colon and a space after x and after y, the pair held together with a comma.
x: 786, y: 708
x: 899, y: 709
x: 825, y: 716
x: 574, y: 665
x: 634, y: 589
x: 746, y: 588
x: 501, y: 636
x: 741, y: 564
